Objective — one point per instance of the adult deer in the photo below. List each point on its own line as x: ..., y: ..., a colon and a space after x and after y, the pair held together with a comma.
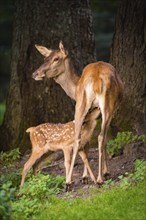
x: 98, y: 87
x: 47, y: 138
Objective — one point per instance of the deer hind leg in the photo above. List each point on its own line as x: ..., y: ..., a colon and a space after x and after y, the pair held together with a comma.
x: 106, y: 119
x: 82, y: 107
x: 85, y: 172
x: 41, y: 163
x: 105, y: 167
x: 108, y: 116
x: 27, y: 166
x: 86, y: 163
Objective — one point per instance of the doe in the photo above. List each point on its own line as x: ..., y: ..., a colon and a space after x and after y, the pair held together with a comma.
x: 98, y: 87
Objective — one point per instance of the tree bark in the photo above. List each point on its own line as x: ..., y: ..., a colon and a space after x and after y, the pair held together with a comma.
x: 128, y: 55
x: 30, y: 103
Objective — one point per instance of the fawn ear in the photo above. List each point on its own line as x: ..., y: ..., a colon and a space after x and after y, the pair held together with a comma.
x: 43, y: 50
x: 62, y: 49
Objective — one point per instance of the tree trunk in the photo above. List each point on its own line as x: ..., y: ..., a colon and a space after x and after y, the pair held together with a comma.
x: 30, y: 103
x: 129, y: 57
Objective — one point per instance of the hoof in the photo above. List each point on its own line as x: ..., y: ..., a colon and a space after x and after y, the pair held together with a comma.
x: 94, y: 181
x: 107, y: 176
x: 99, y: 181
x: 85, y: 180
x: 68, y: 187
x: 99, y: 184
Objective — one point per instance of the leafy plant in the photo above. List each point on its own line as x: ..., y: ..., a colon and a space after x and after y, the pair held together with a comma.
x: 108, y: 184
x: 13, y: 177
x: 36, y: 193
x: 128, y: 179
x: 140, y: 170
x: 114, y: 147
x: 9, y: 156
x: 6, y: 195
x: 139, y: 174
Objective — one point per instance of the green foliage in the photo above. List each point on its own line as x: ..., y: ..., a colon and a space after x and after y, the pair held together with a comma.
x: 6, y: 195
x: 10, y: 156
x: 112, y: 204
x: 108, y: 184
x: 128, y: 179
x: 13, y: 177
x: 42, y: 186
x: 115, y: 146
x: 8, y: 188
x: 36, y: 194
x: 37, y: 198
x: 139, y: 174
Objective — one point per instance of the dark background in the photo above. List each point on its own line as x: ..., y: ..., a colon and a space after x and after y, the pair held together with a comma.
x: 103, y: 11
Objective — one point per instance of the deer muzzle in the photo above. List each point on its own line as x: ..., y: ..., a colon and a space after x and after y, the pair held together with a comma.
x: 38, y: 76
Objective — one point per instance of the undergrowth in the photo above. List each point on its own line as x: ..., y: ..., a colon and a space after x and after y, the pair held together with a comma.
x: 6, y: 158
x: 37, y: 199
x: 129, y: 179
x: 115, y: 146
x: 36, y: 194
x: 124, y: 200
x: 39, y: 192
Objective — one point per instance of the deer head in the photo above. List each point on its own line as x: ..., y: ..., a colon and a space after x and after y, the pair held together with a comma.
x: 54, y: 62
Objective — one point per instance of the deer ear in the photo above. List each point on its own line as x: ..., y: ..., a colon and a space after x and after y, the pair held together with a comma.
x: 62, y: 49
x: 43, y: 50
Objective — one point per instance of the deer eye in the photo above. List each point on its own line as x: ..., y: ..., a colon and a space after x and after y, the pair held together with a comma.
x: 56, y: 59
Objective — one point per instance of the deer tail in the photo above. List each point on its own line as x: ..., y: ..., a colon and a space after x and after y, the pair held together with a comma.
x: 30, y: 129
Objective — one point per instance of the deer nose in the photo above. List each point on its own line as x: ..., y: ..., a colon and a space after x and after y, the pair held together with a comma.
x: 35, y: 74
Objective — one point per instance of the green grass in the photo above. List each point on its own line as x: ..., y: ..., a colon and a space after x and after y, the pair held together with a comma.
x: 38, y: 198
x: 115, y: 204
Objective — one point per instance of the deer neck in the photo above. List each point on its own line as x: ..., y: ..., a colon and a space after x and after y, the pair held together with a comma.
x: 68, y: 79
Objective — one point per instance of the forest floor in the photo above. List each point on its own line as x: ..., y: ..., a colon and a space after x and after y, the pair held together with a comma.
x: 118, y: 165
x: 85, y: 200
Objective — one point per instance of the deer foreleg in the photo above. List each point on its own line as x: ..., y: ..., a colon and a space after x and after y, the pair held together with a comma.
x: 67, y: 160
x: 86, y: 162
x: 81, y: 110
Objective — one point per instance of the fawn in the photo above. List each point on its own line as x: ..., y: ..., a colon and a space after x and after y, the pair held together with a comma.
x: 50, y: 137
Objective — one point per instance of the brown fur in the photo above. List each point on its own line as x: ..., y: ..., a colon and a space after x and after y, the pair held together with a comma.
x: 52, y: 137
x: 98, y: 87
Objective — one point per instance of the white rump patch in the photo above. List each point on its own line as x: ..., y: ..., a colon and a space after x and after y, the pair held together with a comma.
x: 100, y: 102
x: 89, y: 88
